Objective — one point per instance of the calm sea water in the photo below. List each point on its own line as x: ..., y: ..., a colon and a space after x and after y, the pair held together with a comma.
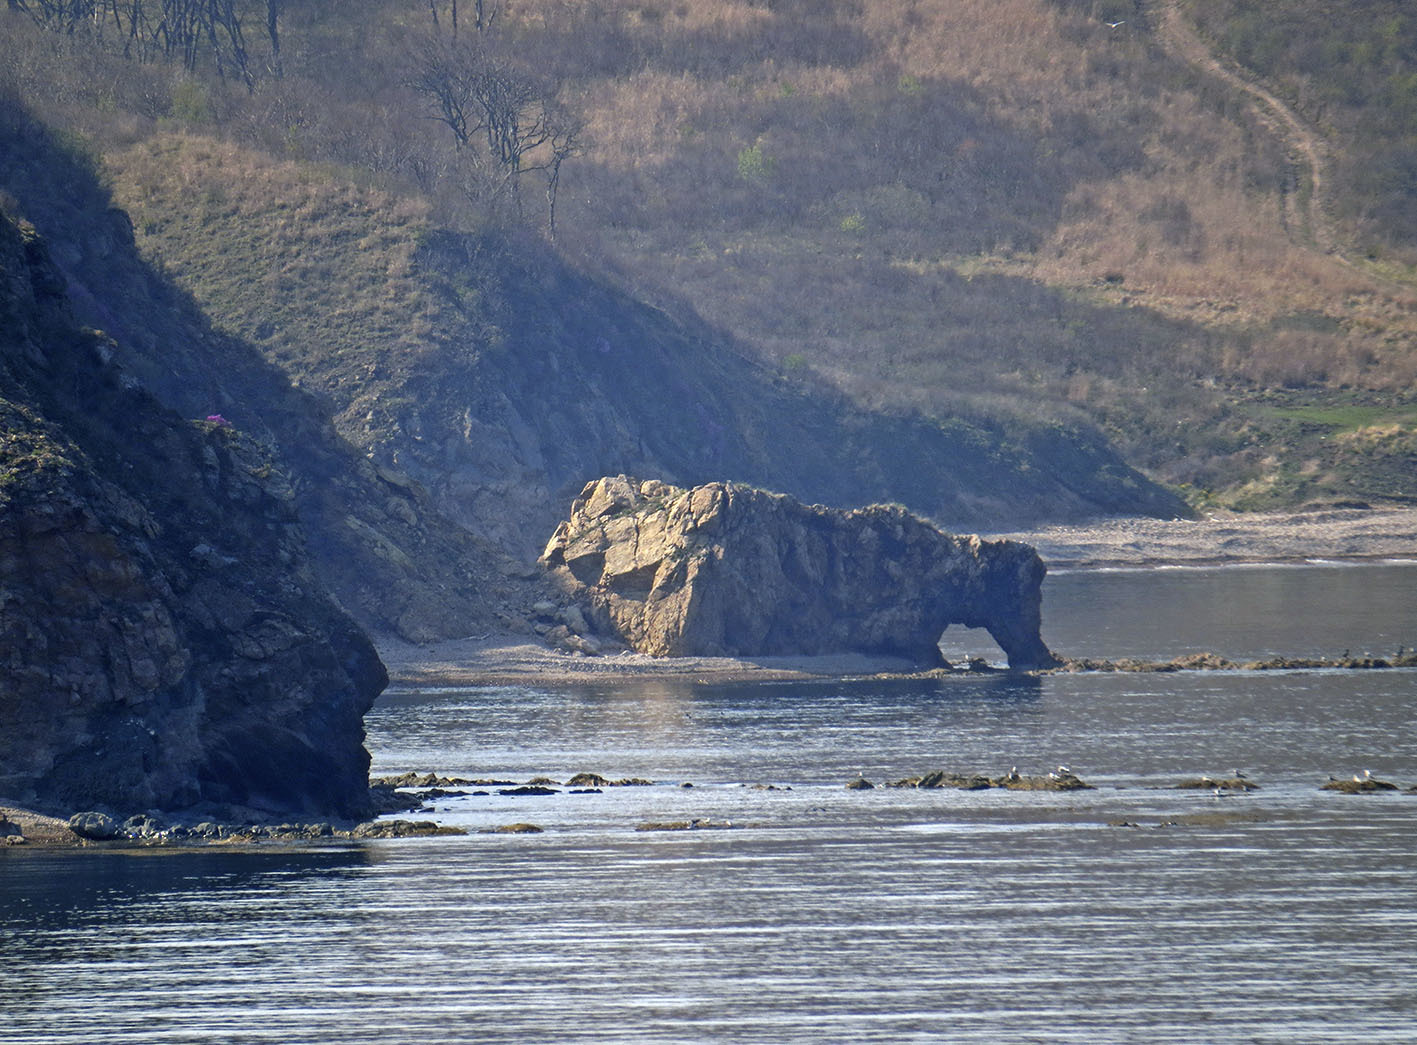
x: 1132, y: 913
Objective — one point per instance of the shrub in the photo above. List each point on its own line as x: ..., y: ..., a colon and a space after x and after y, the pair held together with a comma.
x: 754, y: 165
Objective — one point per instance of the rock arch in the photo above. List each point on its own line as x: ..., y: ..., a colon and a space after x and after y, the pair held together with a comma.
x: 729, y: 570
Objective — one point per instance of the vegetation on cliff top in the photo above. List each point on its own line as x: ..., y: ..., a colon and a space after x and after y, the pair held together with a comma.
x: 1010, y: 209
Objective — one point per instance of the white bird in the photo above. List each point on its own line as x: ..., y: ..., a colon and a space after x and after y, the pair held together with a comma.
x: 1367, y: 774
x: 1113, y: 25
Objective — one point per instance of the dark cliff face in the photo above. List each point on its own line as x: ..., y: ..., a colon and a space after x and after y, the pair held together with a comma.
x: 725, y: 569
x: 163, y: 641
x: 375, y: 539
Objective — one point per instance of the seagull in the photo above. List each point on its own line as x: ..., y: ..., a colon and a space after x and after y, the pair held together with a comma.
x: 1113, y: 25
x: 1367, y: 774
x: 1240, y: 776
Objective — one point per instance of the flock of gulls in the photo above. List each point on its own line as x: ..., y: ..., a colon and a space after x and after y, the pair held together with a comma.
x: 1063, y: 778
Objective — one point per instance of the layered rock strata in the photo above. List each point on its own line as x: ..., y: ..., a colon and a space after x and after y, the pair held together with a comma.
x: 729, y: 570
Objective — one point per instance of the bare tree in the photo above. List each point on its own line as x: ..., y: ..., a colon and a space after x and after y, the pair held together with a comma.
x: 191, y: 31
x: 487, y: 101
x: 273, y: 32
x: 564, y: 143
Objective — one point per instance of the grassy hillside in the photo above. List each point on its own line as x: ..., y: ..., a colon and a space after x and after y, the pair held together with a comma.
x: 502, y: 379
x: 1004, y: 209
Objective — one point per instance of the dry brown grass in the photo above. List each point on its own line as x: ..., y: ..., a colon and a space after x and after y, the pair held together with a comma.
x: 1157, y: 283
x: 962, y: 205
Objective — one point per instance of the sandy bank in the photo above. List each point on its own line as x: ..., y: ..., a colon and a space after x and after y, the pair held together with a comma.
x: 35, y: 828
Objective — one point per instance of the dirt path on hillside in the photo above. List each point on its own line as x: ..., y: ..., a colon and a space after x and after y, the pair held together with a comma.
x: 1306, y: 215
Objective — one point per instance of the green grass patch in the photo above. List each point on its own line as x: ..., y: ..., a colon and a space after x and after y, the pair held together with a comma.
x: 1346, y: 417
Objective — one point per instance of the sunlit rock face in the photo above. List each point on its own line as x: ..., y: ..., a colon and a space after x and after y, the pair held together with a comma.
x: 729, y: 570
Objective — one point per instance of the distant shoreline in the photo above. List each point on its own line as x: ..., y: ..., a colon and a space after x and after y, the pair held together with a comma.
x: 1230, y: 538
x: 1217, y: 539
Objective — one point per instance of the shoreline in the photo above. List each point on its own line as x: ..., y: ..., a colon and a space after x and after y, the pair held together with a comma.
x: 1218, y: 539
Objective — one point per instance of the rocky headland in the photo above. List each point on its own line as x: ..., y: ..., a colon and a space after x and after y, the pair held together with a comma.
x: 729, y: 570
x: 164, y: 642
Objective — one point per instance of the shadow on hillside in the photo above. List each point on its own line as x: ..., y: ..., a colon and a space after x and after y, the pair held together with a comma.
x: 378, y: 545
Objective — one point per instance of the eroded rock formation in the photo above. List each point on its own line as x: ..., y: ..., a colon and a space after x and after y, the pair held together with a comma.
x: 163, y: 640
x: 728, y: 570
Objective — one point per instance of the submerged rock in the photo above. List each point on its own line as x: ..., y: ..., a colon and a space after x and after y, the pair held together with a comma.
x: 941, y: 779
x: 514, y: 829
x: 418, y: 780
x: 695, y: 824
x: 729, y: 570
x: 1230, y: 783
x: 1060, y: 779
x: 1359, y: 785
x: 403, y: 829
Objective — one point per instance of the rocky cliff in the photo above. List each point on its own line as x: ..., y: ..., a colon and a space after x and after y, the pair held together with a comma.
x: 375, y: 539
x: 163, y: 640
x: 725, y: 569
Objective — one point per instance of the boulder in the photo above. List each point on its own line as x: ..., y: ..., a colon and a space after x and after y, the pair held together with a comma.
x: 98, y: 827
x: 729, y: 570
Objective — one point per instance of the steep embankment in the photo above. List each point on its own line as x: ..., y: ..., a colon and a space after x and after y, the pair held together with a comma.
x: 502, y: 379
x: 163, y: 641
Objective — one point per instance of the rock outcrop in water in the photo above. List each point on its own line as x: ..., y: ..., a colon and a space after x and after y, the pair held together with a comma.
x: 163, y: 641
x: 729, y: 570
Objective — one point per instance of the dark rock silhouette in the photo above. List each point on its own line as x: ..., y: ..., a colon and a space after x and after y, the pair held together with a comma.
x: 728, y: 570
x: 163, y: 640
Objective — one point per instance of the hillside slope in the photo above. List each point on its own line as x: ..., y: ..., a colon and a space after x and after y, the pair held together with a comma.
x: 375, y: 539
x: 1006, y: 217
x: 503, y: 379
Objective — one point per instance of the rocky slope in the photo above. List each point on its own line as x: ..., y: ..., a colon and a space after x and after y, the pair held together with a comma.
x: 724, y: 569
x: 163, y: 639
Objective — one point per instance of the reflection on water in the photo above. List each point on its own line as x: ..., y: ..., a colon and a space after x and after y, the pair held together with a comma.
x: 1130, y: 913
